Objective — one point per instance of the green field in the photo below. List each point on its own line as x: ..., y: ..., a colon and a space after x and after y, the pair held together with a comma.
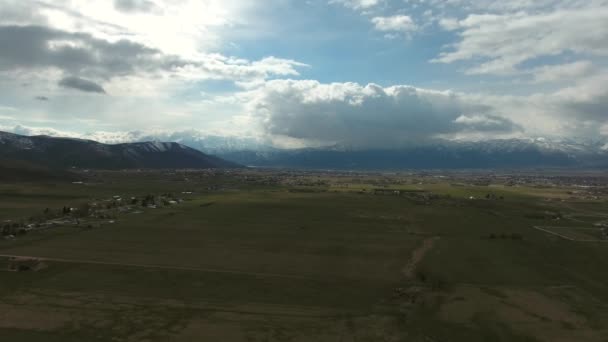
x: 271, y: 256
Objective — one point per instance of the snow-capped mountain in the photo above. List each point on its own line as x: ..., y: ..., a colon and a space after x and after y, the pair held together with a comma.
x: 70, y: 152
x: 508, y: 153
x: 444, y: 154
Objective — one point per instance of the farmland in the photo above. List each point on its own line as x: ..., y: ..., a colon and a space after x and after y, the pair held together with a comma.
x: 285, y: 256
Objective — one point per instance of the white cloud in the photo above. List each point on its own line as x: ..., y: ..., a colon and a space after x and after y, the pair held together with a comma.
x: 449, y: 24
x: 569, y: 71
x: 367, y: 116
x: 502, y: 42
x: 25, y: 130
x: 396, y: 23
x: 175, y: 27
x: 511, y: 6
x: 357, y: 4
x: 204, y: 140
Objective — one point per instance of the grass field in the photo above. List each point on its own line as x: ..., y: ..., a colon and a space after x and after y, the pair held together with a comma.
x: 263, y: 256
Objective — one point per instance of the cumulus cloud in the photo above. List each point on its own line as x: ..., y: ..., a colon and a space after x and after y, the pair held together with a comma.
x: 502, y: 42
x: 81, y: 84
x: 396, y: 23
x: 367, y: 116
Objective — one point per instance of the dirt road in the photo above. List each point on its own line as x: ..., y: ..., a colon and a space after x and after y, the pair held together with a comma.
x: 417, y: 255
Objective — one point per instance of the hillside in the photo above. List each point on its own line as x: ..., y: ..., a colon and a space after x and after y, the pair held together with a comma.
x: 62, y: 153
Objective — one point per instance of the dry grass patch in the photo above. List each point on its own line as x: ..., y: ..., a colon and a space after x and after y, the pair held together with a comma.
x: 524, y: 311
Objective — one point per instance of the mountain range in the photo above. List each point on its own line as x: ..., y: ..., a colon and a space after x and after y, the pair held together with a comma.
x: 219, y: 152
x: 439, y: 154
x: 65, y: 153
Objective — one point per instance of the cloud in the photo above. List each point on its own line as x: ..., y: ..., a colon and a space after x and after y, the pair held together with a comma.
x: 131, y: 6
x: 500, y: 43
x: 449, y: 24
x: 205, y: 141
x: 396, y: 23
x: 586, y: 101
x: 30, y: 131
x: 157, y: 57
x: 42, y: 47
x: 486, y: 122
x: 41, y: 98
x: 568, y: 71
x: 357, y: 4
x: 368, y: 116
x: 81, y: 84
x: 501, y: 6
x: 7, y: 109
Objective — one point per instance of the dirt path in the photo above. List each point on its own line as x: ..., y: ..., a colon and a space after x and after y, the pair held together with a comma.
x: 417, y: 256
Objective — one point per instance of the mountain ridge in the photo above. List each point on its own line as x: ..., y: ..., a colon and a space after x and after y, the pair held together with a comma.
x: 61, y: 153
x: 514, y: 153
x: 505, y: 153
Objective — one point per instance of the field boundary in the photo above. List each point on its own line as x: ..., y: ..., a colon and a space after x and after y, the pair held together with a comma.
x: 152, y: 266
x: 546, y: 229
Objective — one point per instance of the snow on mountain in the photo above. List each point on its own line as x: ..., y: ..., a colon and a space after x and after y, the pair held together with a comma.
x: 70, y: 152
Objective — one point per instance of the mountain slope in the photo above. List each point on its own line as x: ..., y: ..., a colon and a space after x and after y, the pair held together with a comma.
x: 63, y: 153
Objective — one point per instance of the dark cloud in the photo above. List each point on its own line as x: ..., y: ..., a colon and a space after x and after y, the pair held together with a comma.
x: 370, y: 116
x: 135, y: 5
x: 29, y: 47
x: 41, y: 98
x: 593, y: 108
x: 81, y: 84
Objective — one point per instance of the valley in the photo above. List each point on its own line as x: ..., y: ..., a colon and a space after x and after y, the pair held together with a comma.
x: 279, y: 255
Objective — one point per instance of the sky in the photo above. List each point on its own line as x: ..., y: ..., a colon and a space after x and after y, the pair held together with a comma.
x: 356, y: 73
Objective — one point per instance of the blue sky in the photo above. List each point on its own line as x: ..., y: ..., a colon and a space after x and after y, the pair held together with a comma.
x: 361, y: 73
